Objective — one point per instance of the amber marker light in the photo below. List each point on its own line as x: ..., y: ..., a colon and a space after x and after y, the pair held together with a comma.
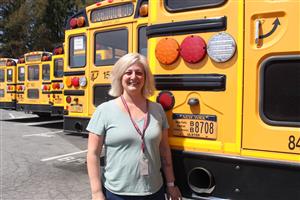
x: 69, y: 82
x: 144, y: 10
x: 167, y: 51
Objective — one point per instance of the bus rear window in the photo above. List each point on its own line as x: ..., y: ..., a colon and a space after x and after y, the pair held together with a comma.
x: 280, y: 80
x: 58, y: 68
x: 77, y: 51
x: 33, y: 73
x: 9, y: 75
x: 143, y: 41
x: 180, y: 5
x: 21, y: 73
x: 2, y: 75
x: 101, y: 94
x: 46, y: 72
x: 110, y: 46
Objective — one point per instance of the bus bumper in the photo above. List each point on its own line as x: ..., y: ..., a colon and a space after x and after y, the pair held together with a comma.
x: 205, y: 176
x: 76, y: 124
x: 32, y: 108
x: 8, y: 105
x: 57, y: 110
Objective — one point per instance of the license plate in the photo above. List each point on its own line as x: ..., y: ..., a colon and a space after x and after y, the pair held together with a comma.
x: 76, y: 108
x: 196, y: 126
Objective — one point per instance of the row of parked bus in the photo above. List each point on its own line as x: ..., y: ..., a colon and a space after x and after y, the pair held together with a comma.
x: 33, y: 83
x: 227, y: 74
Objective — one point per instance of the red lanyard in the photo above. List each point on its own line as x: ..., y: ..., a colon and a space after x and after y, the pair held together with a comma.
x: 141, y: 133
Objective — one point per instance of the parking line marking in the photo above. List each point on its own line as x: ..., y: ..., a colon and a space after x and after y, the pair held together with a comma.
x: 11, y: 115
x: 47, y: 134
x: 61, y: 156
x: 41, y: 123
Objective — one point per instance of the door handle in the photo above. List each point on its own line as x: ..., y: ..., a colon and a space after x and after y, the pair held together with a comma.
x: 257, y: 28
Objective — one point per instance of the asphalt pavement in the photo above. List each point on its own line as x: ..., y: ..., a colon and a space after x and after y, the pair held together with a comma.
x: 39, y: 161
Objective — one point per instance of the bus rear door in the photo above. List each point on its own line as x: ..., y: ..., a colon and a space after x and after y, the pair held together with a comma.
x: 110, y: 44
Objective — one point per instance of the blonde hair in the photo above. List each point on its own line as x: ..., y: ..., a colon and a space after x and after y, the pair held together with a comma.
x: 122, y: 65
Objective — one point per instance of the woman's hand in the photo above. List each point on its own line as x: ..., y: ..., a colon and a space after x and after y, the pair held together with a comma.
x: 173, y: 193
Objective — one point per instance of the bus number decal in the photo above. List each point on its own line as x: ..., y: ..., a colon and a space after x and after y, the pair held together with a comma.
x: 293, y: 142
x: 106, y: 75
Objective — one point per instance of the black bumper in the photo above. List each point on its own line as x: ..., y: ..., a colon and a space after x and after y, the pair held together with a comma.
x: 57, y: 110
x: 76, y: 124
x: 8, y: 105
x: 235, y: 177
x: 32, y: 108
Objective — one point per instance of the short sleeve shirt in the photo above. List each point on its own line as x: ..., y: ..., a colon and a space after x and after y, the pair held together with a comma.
x: 121, y: 173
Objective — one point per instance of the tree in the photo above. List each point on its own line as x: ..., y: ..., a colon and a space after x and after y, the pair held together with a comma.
x: 33, y: 25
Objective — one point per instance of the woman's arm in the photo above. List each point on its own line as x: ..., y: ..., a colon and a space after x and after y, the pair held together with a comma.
x: 95, y: 143
x: 167, y: 166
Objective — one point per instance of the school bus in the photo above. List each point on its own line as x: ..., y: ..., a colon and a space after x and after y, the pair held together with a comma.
x: 57, y: 86
x: 95, y: 39
x: 36, y: 84
x: 228, y: 75
x: 7, y: 83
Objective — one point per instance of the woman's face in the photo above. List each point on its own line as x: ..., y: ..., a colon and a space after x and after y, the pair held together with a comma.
x: 133, y: 79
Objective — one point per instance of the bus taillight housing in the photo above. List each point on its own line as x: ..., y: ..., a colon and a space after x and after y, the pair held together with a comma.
x: 166, y: 99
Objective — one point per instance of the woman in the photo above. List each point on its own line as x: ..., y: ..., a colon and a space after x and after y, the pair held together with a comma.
x: 134, y: 132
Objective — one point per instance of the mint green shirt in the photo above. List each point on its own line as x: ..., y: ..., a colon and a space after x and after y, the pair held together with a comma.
x: 121, y: 173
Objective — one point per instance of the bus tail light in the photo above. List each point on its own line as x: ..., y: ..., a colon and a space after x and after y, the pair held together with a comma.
x: 193, y: 49
x: 73, y: 23
x: 144, y: 10
x: 69, y: 81
x: 167, y: 51
x: 75, y: 81
x: 80, y: 21
x: 166, y: 99
x: 82, y: 81
x: 221, y: 47
x: 68, y: 99
x: 61, y: 86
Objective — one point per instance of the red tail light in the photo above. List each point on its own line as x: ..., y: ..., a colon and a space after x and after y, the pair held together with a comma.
x: 73, y: 23
x: 166, y: 99
x: 68, y: 99
x: 75, y: 81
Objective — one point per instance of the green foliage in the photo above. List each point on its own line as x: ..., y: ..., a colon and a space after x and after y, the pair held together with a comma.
x: 34, y: 25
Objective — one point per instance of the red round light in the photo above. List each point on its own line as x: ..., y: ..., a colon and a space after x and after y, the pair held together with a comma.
x: 68, y: 99
x: 45, y: 87
x: 166, y: 99
x: 73, y: 22
x: 193, y: 49
x: 75, y: 81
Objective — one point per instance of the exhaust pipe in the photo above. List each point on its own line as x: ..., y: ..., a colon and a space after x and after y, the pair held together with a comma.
x: 200, y: 180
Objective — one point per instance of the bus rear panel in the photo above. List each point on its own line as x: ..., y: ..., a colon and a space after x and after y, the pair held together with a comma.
x: 227, y: 74
x: 112, y: 29
x: 7, y: 83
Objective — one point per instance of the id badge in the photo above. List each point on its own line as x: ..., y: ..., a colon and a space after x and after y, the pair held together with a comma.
x: 144, y: 166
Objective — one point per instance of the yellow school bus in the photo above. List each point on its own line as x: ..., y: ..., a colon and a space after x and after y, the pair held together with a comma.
x: 7, y: 83
x: 94, y: 40
x: 57, y: 86
x: 228, y: 75
x: 37, y: 84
